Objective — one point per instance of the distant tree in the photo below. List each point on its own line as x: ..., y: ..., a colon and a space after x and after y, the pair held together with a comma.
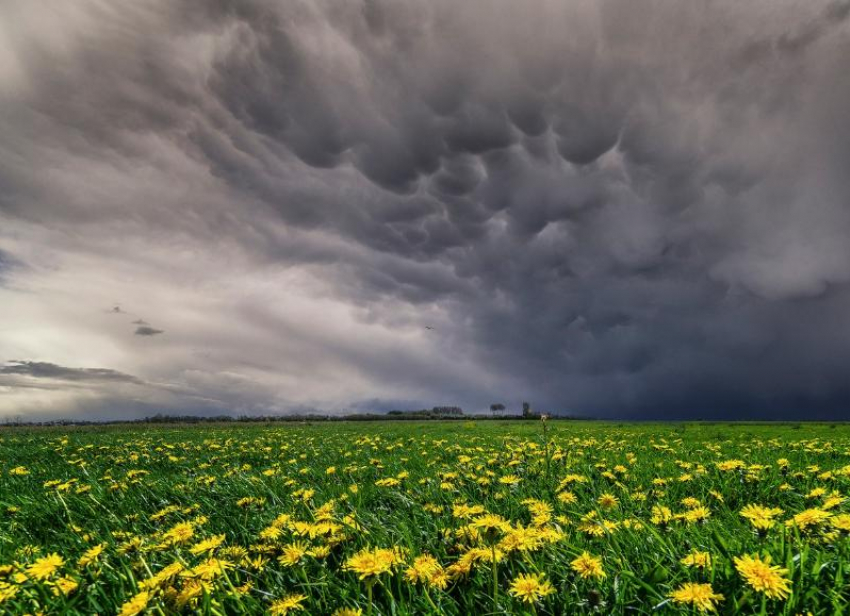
x: 526, y: 410
x: 447, y: 410
x: 495, y: 408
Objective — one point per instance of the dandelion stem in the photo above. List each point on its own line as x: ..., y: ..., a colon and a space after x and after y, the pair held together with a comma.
x: 495, y: 574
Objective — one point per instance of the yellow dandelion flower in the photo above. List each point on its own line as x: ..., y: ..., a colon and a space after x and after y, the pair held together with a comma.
x: 697, y: 559
x: 372, y: 563
x: 179, y: 533
x: 424, y: 567
x: 762, y: 518
x: 65, y: 586
x: 135, y: 605
x: 530, y: 588
x: 45, y: 566
x: 293, y: 553
x: 207, y: 545
x: 661, y: 515
x: 287, y: 604
x: 588, y: 566
x: 700, y: 596
x: 697, y: 514
x: 7, y: 591
x: 841, y: 522
x: 764, y: 577
x: 491, y: 525
x: 809, y: 519
x: 567, y: 497
x: 607, y: 501
x: 209, y: 569
x: 91, y: 555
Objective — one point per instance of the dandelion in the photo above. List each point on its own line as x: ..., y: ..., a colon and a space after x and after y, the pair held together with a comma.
x: 190, y: 592
x: 372, y: 563
x: 491, y: 525
x: 761, y: 518
x: 588, y: 566
x: 424, y: 567
x: 530, y: 588
x: 163, y: 576
x: 287, y: 604
x: 135, y: 605
x: 369, y: 564
x: 179, y: 533
x: 764, y: 577
x: 91, y: 555
x: 7, y: 592
x: 65, y: 586
x: 293, y: 553
x: 45, y: 566
x: 661, y: 515
x: 207, y: 545
x: 697, y: 514
x: 841, y: 522
x: 210, y: 569
x: 716, y: 495
x: 567, y: 497
x: 697, y: 560
x: 607, y: 501
x: 806, y: 520
x: 700, y: 596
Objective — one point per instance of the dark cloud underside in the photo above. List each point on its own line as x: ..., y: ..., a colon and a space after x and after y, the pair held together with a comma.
x: 46, y: 370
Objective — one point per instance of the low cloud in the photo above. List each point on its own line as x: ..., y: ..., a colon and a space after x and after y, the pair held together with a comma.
x: 47, y: 370
x: 146, y: 330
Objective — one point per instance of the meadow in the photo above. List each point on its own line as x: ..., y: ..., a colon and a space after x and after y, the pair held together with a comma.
x: 402, y: 518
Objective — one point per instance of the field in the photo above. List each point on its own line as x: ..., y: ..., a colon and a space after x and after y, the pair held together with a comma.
x: 401, y: 518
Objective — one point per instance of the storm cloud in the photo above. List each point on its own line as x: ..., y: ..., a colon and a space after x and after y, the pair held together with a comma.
x: 147, y: 330
x: 630, y: 209
x: 45, y: 370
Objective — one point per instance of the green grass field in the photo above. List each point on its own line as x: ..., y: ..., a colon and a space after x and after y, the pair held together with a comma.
x: 426, y: 518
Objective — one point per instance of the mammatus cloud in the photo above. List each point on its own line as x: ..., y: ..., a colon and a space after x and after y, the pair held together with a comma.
x: 624, y: 209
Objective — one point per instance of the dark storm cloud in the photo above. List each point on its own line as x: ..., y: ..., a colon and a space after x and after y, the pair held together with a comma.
x: 614, y: 208
x: 47, y: 370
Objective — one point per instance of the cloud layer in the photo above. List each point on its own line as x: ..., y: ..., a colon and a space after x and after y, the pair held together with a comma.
x: 623, y: 209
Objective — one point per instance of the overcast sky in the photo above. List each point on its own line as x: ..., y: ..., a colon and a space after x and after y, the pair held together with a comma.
x: 631, y: 209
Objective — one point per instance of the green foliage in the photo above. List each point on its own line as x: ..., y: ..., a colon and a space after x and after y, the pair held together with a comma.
x: 398, y: 485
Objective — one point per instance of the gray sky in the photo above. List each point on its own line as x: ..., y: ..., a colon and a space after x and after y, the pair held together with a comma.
x: 635, y: 209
